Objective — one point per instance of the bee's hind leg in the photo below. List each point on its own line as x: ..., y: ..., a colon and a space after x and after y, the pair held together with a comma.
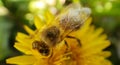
x: 78, y: 40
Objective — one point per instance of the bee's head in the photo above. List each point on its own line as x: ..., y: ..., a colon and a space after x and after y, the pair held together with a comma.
x: 41, y: 47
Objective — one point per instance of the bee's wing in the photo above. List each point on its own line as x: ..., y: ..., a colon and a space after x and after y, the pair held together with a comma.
x: 74, y: 12
x: 84, y: 14
x: 73, y: 16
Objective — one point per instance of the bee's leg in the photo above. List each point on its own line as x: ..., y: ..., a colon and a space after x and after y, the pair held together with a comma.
x: 67, y: 49
x: 75, y: 39
x: 51, y: 52
x: 66, y: 43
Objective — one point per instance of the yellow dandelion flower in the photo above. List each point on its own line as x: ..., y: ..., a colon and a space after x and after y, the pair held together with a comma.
x: 88, y: 52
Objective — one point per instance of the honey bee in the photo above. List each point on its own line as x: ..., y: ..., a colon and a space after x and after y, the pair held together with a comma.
x: 71, y: 19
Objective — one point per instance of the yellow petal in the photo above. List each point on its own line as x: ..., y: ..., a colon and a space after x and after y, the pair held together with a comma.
x: 25, y: 40
x: 30, y: 31
x: 38, y: 22
x: 93, y: 35
x: 95, y: 48
x: 22, y: 35
x: 98, y: 31
x: 22, y: 60
x: 23, y: 48
x: 96, y: 60
x: 95, y: 42
x: 49, y: 17
x: 105, y: 54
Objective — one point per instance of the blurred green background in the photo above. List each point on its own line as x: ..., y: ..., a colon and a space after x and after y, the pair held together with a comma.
x: 16, y: 13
